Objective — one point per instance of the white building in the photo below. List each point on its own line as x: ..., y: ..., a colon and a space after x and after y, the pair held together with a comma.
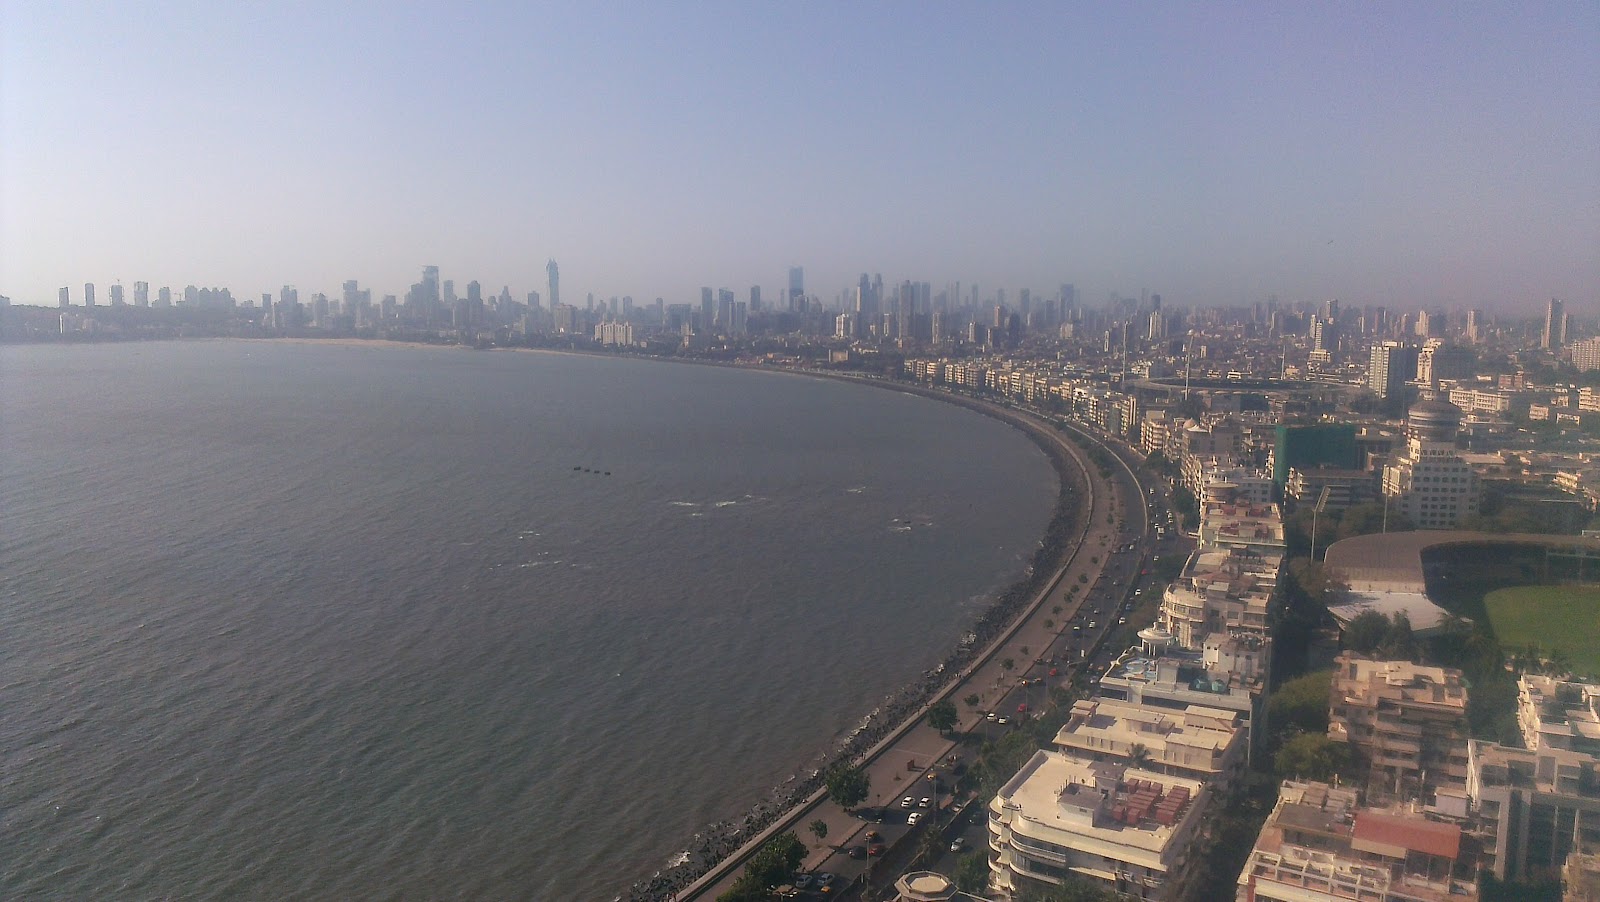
x: 1429, y: 483
x: 1129, y: 830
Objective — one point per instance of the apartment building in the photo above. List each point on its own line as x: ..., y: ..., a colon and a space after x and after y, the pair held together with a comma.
x: 1407, y: 721
x: 1128, y: 829
x: 1320, y: 845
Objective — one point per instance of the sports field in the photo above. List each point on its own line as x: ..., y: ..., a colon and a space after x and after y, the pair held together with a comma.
x: 1564, y: 617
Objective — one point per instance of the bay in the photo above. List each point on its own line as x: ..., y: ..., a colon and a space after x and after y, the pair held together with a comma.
x: 332, y: 621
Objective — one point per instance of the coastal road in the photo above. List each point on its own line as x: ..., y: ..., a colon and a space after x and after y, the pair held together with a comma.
x: 899, y: 766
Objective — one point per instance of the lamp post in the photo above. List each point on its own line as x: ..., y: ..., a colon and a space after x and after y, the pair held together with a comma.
x: 1316, y: 511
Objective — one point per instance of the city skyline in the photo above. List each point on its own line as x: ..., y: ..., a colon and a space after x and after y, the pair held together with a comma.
x: 1422, y: 157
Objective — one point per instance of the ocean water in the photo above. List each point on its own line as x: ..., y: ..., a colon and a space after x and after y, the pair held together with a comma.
x: 318, y: 621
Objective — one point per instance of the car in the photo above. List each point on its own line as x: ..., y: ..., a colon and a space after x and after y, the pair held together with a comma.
x: 924, y: 802
x: 913, y: 818
x: 825, y: 882
x: 1092, y: 624
x: 876, y: 850
x: 1121, y: 620
x: 1077, y: 628
x: 907, y: 802
x: 873, y: 836
x: 992, y: 715
x: 1002, y: 721
x: 959, y: 845
x: 857, y: 852
x: 1022, y: 708
x: 803, y: 881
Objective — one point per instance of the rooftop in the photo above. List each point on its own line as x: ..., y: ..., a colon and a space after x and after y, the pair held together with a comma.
x: 1126, y: 813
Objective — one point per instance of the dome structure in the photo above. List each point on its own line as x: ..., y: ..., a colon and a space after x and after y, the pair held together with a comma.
x: 1433, y: 421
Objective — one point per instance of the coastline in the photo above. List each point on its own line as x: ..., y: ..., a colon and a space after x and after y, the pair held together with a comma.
x: 710, y: 849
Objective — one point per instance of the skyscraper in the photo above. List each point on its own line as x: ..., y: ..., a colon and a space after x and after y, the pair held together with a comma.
x: 555, y: 283
x: 797, y: 282
x: 64, y: 297
x: 708, y: 309
x: 1554, y: 336
x: 88, y: 294
x: 141, y: 294
x: 1393, y: 364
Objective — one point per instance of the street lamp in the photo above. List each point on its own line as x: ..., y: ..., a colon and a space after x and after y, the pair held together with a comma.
x: 1316, y: 511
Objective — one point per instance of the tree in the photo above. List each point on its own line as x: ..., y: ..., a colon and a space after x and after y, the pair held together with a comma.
x: 1365, y: 632
x: 1138, y: 755
x: 1007, y: 664
x: 769, y: 866
x: 1301, y: 704
x: 942, y: 715
x: 1399, y: 642
x: 972, y: 873
x: 1311, y: 756
x: 819, y: 829
x: 972, y: 700
x: 847, y: 786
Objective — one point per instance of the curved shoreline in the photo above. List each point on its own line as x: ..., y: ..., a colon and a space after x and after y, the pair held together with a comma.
x: 700, y: 867
x: 720, y: 846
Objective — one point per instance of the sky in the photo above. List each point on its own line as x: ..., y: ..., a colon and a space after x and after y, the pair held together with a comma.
x: 1409, y: 155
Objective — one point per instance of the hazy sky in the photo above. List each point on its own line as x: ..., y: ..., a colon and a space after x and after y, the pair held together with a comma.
x: 1404, y: 154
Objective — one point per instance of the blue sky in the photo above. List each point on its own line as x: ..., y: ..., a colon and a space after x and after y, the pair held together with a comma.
x: 1403, y: 154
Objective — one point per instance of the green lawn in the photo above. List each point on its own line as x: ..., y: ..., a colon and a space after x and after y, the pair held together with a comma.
x: 1564, y: 617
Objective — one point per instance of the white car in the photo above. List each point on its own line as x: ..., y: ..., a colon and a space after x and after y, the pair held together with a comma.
x: 913, y: 817
x: 925, y: 802
x: 907, y: 802
x: 959, y: 845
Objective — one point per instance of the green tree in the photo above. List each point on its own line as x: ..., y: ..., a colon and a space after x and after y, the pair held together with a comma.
x: 819, y: 829
x: 972, y: 700
x: 1311, y: 756
x: 1366, y: 631
x: 770, y: 866
x: 972, y: 873
x: 1301, y: 704
x: 847, y: 786
x: 1007, y: 664
x: 1399, y: 642
x: 942, y: 715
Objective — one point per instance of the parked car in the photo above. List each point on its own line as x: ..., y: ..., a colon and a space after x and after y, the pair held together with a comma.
x: 959, y: 845
x: 913, y: 818
x: 907, y: 802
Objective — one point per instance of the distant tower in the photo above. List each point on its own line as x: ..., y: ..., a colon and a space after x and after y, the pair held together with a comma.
x: 555, y: 283
x: 1555, y: 326
x: 797, y: 281
x: 88, y: 294
x: 64, y: 297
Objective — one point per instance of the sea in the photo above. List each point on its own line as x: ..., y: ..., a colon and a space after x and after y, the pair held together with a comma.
x: 352, y: 621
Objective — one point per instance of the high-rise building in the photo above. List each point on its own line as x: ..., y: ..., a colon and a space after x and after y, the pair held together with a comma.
x: 1393, y: 364
x: 164, y: 297
x: 708, y: 308
x: 755, y: 298
x: 555, y: 283
x: 141, y: 294
x: 64, y: 297
x: 116, y: 295
x: 1554, y: 336
x: 88, y: 294
x: 1474, y: 326
x: 1428, y: 483
x: 797, y: 282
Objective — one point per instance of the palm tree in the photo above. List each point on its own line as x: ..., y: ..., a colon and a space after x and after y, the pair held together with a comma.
x: 1138, y: 755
